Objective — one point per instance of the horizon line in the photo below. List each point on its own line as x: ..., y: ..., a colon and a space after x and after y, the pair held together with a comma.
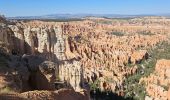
x: 142, y: 14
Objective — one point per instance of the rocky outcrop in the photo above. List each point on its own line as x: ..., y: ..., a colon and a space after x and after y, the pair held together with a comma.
x: 138, y: 56
x: 2, y: 19
x: 14, y: 74
x: 44, y: 77
x: 158, y: 83
x: 62, y: 94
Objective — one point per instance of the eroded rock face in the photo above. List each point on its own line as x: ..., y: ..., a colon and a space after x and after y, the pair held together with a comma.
x: 72, y: 72
x: 13, y: 74
x: 20, y: 71
x: 158, y: 83
x: 43, y: 43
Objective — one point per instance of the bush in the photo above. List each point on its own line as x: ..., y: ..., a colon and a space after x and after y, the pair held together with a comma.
x: 145, y: 33
x: 94, y: 85
x: 117, y: 33
x: 6, y: 90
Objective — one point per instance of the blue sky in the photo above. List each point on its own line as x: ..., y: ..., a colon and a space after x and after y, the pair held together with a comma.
x: 44, y: 7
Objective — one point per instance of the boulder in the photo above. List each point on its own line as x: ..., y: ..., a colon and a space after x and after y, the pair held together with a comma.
x: 44, y: 77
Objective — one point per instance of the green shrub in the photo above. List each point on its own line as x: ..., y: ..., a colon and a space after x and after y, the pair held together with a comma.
x: 118, y: 33
x: 145, y: 33
x: 94, y: 85
x: 6, y: 90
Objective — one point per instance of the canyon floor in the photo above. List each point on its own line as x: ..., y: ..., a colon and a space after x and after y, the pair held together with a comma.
x: 88, y: 59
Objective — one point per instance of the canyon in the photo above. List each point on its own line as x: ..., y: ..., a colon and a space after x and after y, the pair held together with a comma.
x: 60, y: 60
